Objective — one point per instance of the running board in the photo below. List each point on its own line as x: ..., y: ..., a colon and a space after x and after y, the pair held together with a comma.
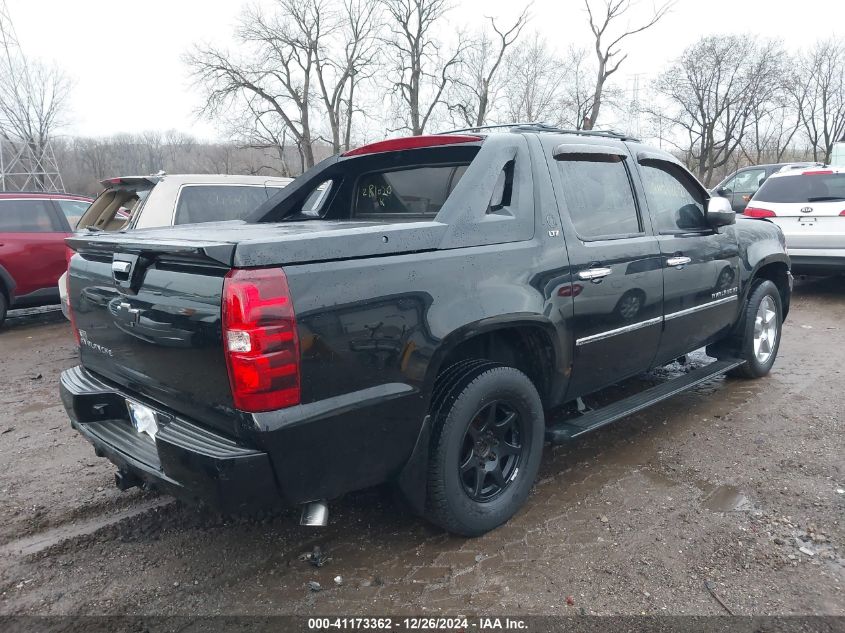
x: 579, y: 425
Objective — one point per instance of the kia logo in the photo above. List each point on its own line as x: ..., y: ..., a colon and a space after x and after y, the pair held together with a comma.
x: 806, y: 209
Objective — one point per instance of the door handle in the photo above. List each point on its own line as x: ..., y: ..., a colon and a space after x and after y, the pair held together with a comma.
x: 594, y: 274
x: 678, y: 261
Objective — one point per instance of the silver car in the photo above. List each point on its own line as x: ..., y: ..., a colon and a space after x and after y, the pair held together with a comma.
x: 809, y: 207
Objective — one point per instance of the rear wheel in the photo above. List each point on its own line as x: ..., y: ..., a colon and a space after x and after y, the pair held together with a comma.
x: 487, y: 443
x: 3, y: 307
x: 756, y: 338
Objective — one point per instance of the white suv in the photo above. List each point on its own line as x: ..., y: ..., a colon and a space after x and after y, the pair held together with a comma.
x: 139, y: 202
x: 809, y: 207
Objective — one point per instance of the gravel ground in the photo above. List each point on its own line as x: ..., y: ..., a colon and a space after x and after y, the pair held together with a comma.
x: 727, y: 499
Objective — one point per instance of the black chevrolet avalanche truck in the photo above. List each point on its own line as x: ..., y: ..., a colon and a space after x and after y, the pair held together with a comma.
x: 405, y: 313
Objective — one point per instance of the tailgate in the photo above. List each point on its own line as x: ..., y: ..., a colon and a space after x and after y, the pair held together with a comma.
x: 148, y: 315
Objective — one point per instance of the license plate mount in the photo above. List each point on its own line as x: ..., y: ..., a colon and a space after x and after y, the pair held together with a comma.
x: 143, y: 418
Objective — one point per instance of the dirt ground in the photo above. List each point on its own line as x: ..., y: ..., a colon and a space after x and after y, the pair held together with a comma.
x: 728, y: 498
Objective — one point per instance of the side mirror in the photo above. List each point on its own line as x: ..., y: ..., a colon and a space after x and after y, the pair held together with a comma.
x: 720, y: 212
x: 721, y: 191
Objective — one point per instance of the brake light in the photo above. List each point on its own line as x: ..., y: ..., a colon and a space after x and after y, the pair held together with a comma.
x: 571, y: 290
x: 754, y: 212
x: 260, y: 339
x: 69, y: 253
x: 817, y: 172
x: 842, y: 213
x: 412, y: 142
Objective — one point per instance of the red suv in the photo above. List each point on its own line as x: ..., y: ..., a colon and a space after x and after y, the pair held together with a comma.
x: 33, y: 227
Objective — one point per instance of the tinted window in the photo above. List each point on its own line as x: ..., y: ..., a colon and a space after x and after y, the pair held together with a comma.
x: 811, y: 188
x: 675, y: 201
x: 27, y: 216
x: 73, y: 210
x: 418, y: 191
x: 214, y: 203
x: 599, y: 197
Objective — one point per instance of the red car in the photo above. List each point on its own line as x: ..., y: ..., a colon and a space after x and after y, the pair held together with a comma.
x: 33, y: 227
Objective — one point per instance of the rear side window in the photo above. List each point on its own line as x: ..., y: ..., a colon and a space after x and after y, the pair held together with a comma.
x: 809, y: 188
x: 675, y: 201
x: 406, y: 193
x: 73, y: 210
x: 215, y: 203
x: 27, y: 216
x: 599, y: 197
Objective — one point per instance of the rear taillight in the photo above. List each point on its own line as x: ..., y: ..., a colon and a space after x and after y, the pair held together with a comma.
x: 69, y: 253
x: 754, y: 212
x: 842, y: 213
x: 260, y: 339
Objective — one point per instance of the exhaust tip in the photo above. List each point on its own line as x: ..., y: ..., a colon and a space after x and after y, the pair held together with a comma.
x: 315, y: 514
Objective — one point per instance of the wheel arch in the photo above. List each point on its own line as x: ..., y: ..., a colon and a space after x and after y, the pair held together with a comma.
x: 775, y: 269
x: 502, y: 339
x: 7, y: 285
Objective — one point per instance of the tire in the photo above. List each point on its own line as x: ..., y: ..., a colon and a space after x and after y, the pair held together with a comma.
x: 504, y: 455
x: 759, y: 356
x: 3, y: 307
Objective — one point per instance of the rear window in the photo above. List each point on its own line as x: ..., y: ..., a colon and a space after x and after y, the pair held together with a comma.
x: 27, y: 216
x: 599, y: 197
x: 412, y: 192
x: 215, y: 203
x: 810, y: 188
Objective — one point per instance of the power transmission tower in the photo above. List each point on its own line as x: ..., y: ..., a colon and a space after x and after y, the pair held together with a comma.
x: 634, y: 106
x: 25, y: 165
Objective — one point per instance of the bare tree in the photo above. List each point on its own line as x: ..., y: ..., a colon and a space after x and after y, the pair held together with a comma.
x: 711, y: 92
x: 608, y: 41
x: 776, y: 108
x: 33, y: 102
x: 534, y: 79
x: 577, y: 92
x: 823, y: 112
x: 420, y: 73
x: 475, y: 89
x: 304, y: 55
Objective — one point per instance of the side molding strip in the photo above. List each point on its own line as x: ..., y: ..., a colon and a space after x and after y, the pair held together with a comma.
x: 628, y: 328
x: 703, y: 306
x: 641, y: 324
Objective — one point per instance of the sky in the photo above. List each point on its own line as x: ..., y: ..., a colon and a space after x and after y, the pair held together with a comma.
x: 125, y: 57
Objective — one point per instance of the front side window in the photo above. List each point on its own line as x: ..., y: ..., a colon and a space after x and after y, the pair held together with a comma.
x: 676, y: 203
x: 216, y: 203
x: 599, y: 197
x: 748, y: 181
x: 73, y: 210
x: 413, y: 192
x: 27, y: 216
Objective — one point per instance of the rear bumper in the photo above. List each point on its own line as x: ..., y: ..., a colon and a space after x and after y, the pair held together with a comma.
x: 185, y: 460
x: 821, y: 261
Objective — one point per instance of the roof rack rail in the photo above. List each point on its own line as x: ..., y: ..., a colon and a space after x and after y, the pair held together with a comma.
x: 540, y: 126
x: 31, y: 192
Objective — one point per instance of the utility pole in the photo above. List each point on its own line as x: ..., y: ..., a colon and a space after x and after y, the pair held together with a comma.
x: 25, y: 165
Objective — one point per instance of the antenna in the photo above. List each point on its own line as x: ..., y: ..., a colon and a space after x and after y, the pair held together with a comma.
x: 26, y: 162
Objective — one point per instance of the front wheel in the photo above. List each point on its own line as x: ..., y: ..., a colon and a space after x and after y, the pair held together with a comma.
x: 757, y: 337
x: 3, y: 307
x: 487, y: 442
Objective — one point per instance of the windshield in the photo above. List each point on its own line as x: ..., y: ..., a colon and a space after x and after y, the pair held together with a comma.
x: 803, y: 188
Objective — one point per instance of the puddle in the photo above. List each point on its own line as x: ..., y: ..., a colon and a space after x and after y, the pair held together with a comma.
x: 725, y: 499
